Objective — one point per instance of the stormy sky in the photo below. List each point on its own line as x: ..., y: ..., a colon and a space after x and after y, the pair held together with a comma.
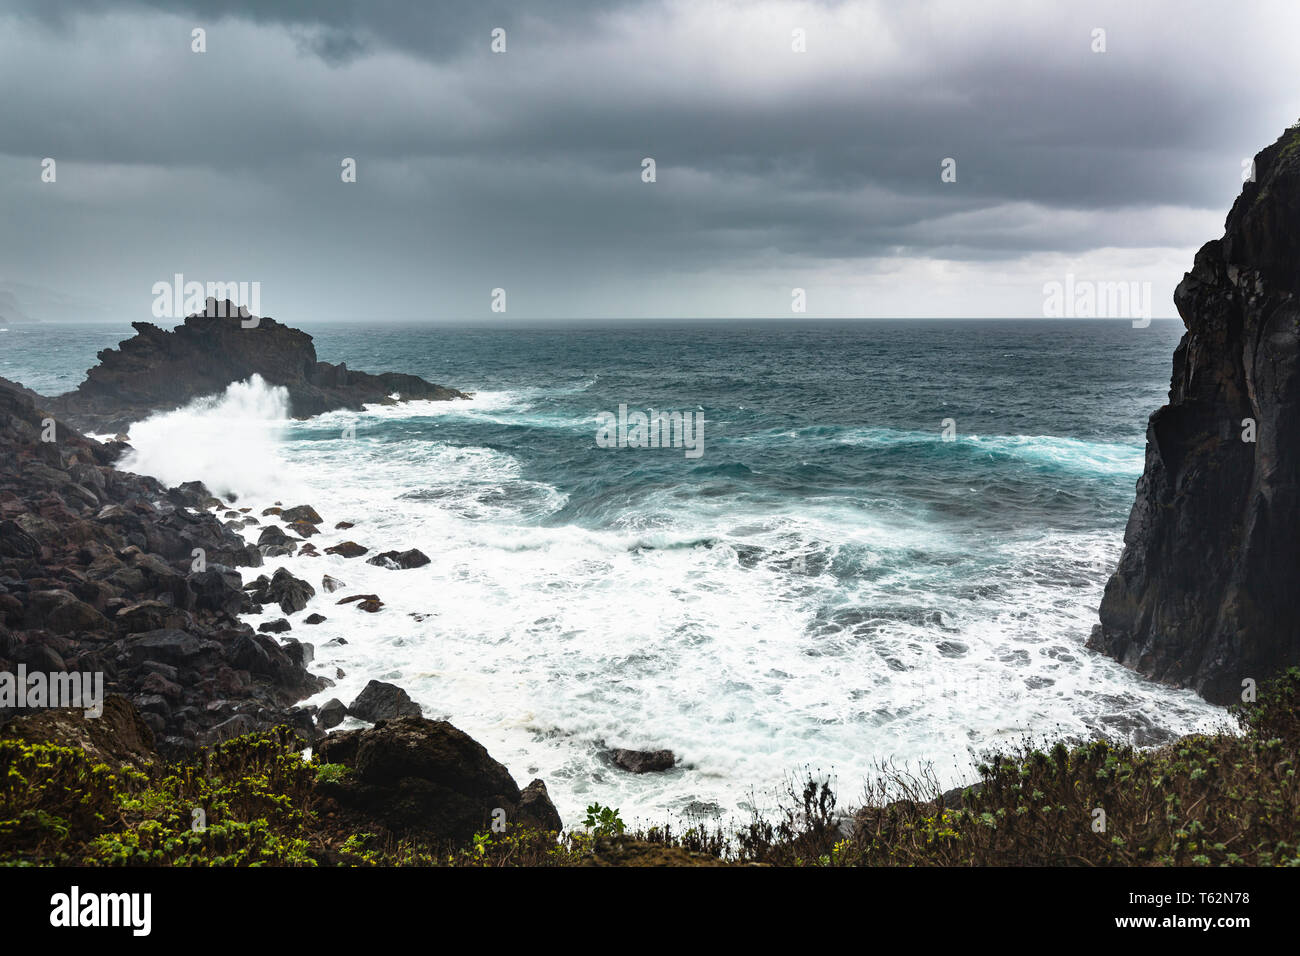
x: 775, y: 169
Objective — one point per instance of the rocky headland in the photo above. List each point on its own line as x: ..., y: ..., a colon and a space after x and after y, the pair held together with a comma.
x: 1202, y: 595
x: 159, y: 370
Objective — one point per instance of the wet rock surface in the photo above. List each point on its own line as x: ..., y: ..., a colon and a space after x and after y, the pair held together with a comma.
x: 1202, y: 596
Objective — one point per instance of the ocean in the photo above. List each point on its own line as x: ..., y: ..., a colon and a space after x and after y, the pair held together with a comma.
x: 889, y: 549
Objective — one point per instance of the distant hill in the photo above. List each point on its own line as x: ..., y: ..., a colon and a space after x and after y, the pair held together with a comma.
x: 11, y: 313
x: 23, y: 302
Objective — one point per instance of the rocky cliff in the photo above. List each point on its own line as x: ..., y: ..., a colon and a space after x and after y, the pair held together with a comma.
x: 98, y: 575
x: 1202, y: 596
x: 158, y: 370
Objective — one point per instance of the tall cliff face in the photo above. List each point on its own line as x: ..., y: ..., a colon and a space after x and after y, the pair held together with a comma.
x: 1205, y: 595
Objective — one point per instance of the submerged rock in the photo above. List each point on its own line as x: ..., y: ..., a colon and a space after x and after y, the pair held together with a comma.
x: 364, y: 602
x: 643, y: 761
x: 348, y: 549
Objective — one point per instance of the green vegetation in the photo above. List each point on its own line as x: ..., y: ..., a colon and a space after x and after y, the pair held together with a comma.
x: 603, y: 821
x: 1204, y: 800
x: 252, y: 794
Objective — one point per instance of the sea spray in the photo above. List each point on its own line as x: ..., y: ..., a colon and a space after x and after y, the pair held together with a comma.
x: 228, y: 441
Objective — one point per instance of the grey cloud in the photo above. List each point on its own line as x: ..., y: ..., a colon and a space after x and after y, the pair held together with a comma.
x: 523, y: 169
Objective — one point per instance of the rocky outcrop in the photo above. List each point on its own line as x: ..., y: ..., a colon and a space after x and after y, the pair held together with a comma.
x: 1202, y: 596
x: 159, y: 370
x: 417, y: 777
x: 105, y: 572
x: 382, y: 701
x: 119, y: 737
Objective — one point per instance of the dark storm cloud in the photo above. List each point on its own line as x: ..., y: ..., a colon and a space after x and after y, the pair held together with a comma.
x: 775, y: 168
x: 339, y: 30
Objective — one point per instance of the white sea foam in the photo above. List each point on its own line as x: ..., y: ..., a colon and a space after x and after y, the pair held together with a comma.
x: 719, y: 631
x: 228, y: 441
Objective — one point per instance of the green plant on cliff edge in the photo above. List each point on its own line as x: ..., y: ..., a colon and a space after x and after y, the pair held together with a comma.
x: 603, y: 821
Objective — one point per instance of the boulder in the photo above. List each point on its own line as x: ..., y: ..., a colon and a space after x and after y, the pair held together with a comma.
x: 420, y: 778
x: 219, y: 589
x: 301, y: 513
x: 331, y: 714
x: 292, y: 594
x: 536, y: 809
x: 347, y: 549
x: 381, y: 701
x: 62, y: 612
x: 400, y: 560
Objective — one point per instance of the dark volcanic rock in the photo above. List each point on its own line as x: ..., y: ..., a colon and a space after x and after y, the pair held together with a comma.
x: 365, y: 602
x: 348, y: 549
x: 1203, y: 593
x: 400, y: 560
x: 107, y: 572
x: 61, y: 612
x: 331, y: 714
x: 643, y: 761
x: 160, y: 370
x: 118, y: 737
x: 300, y: 513
x: 421, y: 777
x: 292, y: 594
x: 536, y: 809
x: 219, y: 589
x: 380, y: 701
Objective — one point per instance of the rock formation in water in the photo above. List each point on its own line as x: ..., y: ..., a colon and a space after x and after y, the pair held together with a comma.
x: 159, y: 370
x: 1202, y: 597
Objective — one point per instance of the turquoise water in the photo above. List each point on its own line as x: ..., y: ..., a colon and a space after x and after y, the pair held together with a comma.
x: 830, y: 583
